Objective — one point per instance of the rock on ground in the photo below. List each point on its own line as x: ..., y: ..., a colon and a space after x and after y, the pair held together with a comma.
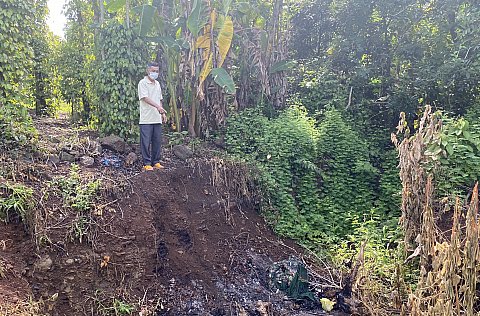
x: 44, y: 263
x: 131, y: 159
x: 183, y: 152
x: 64, y: 156
x: 87, y: 161
x: 115, y: 143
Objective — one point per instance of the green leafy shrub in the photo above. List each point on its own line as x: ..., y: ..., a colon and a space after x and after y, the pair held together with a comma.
x: 379, y: 240
x: 317, y: 88
x: 177, y: 138
x: 347, y: 177
x: 389, y: 186
x: 473, y: 113
x: 245, y: 130
x: 384, y: 278
x: 44, y: 69
x: 16, y: 128
x: 454, y: 156
x: 287, y: 155
x: 17, y: 19
x: 316, y: 181
x: 283, y: 150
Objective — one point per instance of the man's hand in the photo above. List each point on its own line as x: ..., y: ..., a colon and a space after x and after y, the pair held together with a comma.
x: 161, y: 110
x: 164, y: 117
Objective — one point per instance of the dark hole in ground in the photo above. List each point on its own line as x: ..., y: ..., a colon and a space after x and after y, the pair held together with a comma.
x: 162, y: 250
x: 184, y: 238
x: 161, y: 312
x: 161, y: 205
x: 219, y: 312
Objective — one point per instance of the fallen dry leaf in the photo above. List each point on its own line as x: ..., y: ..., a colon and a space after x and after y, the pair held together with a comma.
x: 105, y: 261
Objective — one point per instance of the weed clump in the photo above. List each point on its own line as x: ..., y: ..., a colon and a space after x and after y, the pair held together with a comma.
x: 79, y: 196
x: 15, y: 200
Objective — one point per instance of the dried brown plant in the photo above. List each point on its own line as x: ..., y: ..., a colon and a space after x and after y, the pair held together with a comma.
x: 412, y: 159
x: 448, y: 264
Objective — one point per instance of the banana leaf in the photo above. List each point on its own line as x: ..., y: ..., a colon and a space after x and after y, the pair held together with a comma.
x: 146, y: 19
x: 224, y: 40
x: 224, y: 80
x: 198, y: 18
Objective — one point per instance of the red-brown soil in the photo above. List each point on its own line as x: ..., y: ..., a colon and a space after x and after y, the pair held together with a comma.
x: 166, y: 242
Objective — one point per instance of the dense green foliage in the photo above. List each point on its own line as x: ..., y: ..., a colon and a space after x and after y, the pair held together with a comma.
x: 122, y: 66
x: 45, y: 85
x: 16, y: 128
x: 16, y: 21
x: 317, y: 180
x: 16, y: 56
x: 454, y: 156
x: 348, y: 179
x: 372, y: 61
x: 284, y: 151
x: 287, y: 157
x: 388, y: 199
x: 317, y: 88
x: 419, y: 53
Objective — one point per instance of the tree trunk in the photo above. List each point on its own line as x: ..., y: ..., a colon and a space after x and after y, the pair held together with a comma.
x: 193, y: 118
x: 40, y: 102
x: 102, y: 11
x: 3, y: 92
x: 86, y: 106
x: 127, y: 13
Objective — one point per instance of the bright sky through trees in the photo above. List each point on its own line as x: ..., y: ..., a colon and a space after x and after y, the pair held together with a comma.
x: 56, y: 19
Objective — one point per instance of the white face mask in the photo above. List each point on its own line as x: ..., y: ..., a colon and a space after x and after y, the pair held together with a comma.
x: 153, y: 75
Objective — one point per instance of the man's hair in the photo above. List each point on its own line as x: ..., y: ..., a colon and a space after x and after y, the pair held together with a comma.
x: 152, y: 64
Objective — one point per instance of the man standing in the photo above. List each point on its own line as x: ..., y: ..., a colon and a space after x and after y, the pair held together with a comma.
x: 152, y: 115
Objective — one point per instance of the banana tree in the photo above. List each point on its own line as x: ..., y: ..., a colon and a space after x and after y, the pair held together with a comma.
x: 211, y: 49
x: 261, y: 50
x: 194, y: 40
x: 195, y: 48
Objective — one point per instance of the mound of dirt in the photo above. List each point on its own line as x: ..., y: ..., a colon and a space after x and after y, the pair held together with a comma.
x: 170, y: 242
x: 166, y: 242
